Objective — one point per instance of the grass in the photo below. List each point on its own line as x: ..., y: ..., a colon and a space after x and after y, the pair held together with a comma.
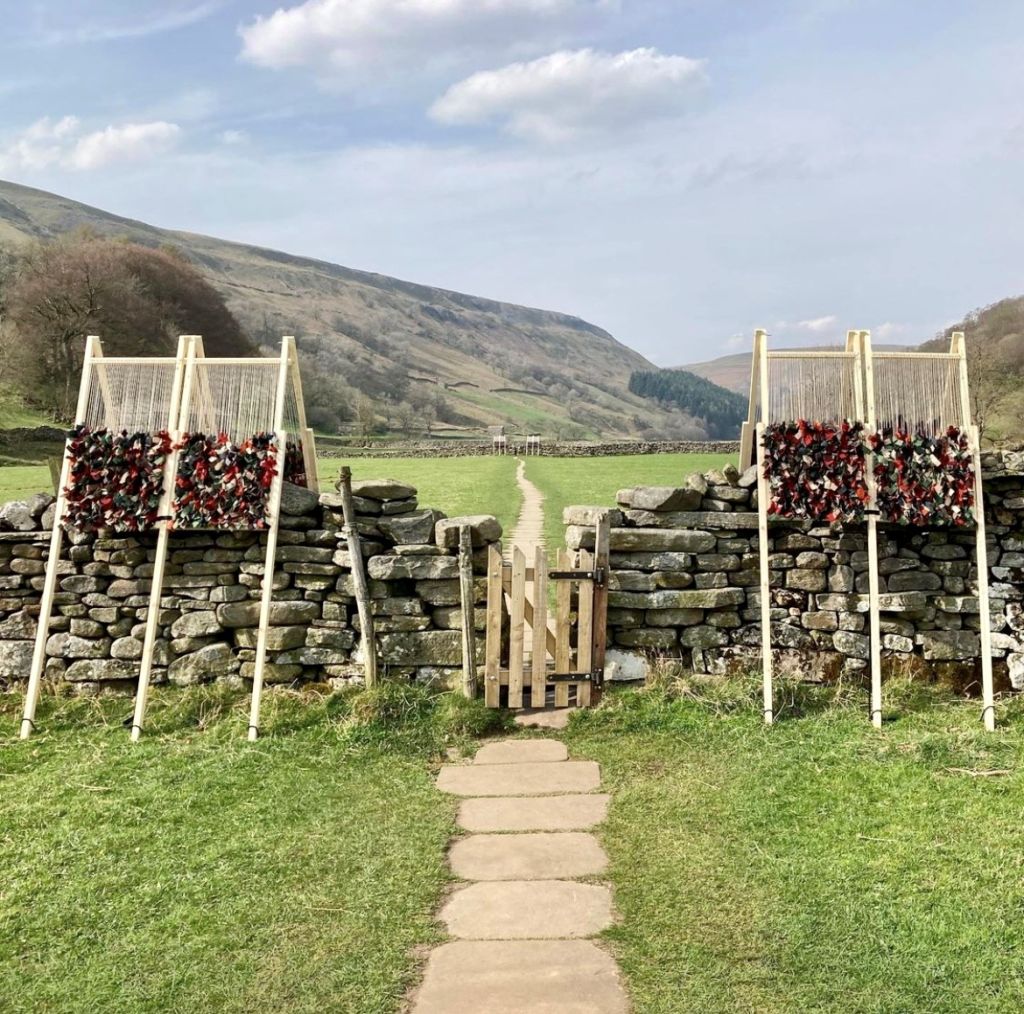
x: 476, y: 485
x: 195, y: 871
x: 567, y: 481
x: 818, y: 865
x: 20, y: 481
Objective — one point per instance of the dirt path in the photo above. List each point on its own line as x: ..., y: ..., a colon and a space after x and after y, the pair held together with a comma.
x: 529, y: 528
x: 522, y: 922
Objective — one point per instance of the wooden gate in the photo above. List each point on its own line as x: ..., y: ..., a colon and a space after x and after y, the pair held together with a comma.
x: 542, y: 652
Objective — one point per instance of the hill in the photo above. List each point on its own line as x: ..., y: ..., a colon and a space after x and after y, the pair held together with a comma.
x: 722, y: 411
x: 466, y: 361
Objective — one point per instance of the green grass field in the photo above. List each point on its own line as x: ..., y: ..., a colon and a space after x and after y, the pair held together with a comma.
x: 566, y: 481
x: 816, y: 866
x: 198, y: 872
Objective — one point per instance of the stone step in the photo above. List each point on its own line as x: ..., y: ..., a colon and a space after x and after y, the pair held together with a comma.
x: 543, y: 718
x: 527, y: 910
x: 537, y: 856
x: 531, y: 779
x: 533, y: 813
x: 521, y: 977
x: 521, y: 751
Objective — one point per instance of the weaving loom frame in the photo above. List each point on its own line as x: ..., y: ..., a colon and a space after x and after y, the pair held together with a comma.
x: 963, y: 419
x: 866, y: 387
x: 189, y: 363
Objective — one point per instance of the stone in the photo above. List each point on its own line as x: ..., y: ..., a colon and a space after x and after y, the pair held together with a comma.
x: 273, y: 672
x: 849, y: 643
x: 585, y: 516
x: 428, y: 647
x: 376, y: 489
x: 298, y: 501
x: 748, y: 480
x: 416, y: 527
x: 810, y: 560
x: 910, y: 601
x: 533, y: 813
x: 483, y: 529
x: 673, y: 617
x: 662, y: 562
x: 914, y: 580
x: 210, y: 661
x: 895, y: 642
x: 703, y: 637
x: 517, y: 751
x: 16, y: 516
x: 38, y: 503
x: 727, y: 520
x: 100, y: 670
x: 126, y: 648
x: 198, y: 624
x: 624, y: 666
x: 660, y: 539
x: 66, y: 645
x: 419, y: 568
x: 949, y: 644
x: 686, y: 598
x: 806, y: 580
x: 247, y: 613
x: 645, y: 637
x: 17, y: 625
x: 520, y: 977
x: 529, y: 779
x: 16, y: 660
x: 840, y: 578
x: 524, y: 910
x: 541, y: 855
x: 278, y: 638
x: 659, y: 498
x: 820, y: 621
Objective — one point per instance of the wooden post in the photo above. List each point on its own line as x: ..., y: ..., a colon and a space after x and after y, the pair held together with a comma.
x: 305, y: 434
x: 602, y: 538
x: 360, y: 587
x: 539, y: 629
x: 468, y: 611
x: 958, y: 346
x: 495, y: 606
x: 517, y: 630
x: 767, y: 690
x: 186, y: 347
x: 92, y: 350
x: 274, y: 521
x: 874, y: 618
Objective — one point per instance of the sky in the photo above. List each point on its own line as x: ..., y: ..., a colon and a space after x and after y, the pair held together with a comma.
x: 679, y: 172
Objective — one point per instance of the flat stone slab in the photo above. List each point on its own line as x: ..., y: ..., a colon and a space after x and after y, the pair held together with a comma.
x: 531, y: 779
x: 544, y: 855
x: 521, y: 977
x: 543, y: 718
x: 527, y: 910
x: 533, y: 813
x: 521, y: 751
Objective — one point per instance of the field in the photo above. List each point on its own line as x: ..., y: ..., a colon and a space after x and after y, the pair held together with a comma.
x: 818, y: 865
x: 196, y: 872
x: 565, y: 481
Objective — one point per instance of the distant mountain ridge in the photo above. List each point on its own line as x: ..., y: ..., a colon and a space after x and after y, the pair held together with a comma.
x: 490, y: 361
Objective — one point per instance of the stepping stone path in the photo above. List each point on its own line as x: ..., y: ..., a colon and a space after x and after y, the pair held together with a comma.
x: 521, y: 925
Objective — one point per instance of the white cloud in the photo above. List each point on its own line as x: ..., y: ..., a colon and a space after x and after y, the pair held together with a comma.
x: 890, y: 332
x: 61, y: 143
x: 339, y: 38
x: 571, y: 92
x: 818, y: 324
x: 234, y: 137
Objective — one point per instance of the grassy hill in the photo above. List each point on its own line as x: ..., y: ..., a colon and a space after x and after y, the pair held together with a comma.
x: 494, y: 362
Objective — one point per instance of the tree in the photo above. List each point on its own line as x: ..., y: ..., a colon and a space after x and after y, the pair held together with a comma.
x: 366, y: 416
x: 135, y: 298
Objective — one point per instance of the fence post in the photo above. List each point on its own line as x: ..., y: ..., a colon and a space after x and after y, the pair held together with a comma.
x: 362, y: 593
x: 468, y: 611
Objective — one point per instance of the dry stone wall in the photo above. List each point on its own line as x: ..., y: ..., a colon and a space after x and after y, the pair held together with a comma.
x: 517, y: 446
x: 210, y: 605
x: 685, y: 582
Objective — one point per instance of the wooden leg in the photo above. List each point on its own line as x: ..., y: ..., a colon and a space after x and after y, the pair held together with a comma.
x: 152, y: 619
x: 43, y: 628
x: 875, y: 632
x: 767, y: 691
x: 265, y: 603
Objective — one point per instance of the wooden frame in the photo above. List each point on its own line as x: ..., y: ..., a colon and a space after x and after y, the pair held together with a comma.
x: 189, y: 377
x: 752, y: 445
x: 965, y: 422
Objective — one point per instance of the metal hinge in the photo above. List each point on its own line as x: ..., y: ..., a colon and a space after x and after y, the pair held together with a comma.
x: 597, y: 575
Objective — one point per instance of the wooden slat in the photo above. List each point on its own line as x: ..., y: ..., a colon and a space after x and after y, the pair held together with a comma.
x: 468, y: 612
x: 517, y: 632
x: 563, y: 604
x: 585, y: 630
x: 541, y: 635
x: 495, y: 605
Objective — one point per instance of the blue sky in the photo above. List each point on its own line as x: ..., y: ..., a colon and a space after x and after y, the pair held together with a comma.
x: 677, y: 171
